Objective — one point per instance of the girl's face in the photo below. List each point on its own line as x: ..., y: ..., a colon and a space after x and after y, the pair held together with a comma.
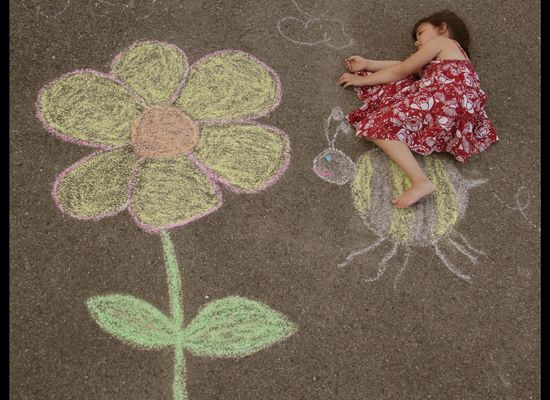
x: 426, y: 32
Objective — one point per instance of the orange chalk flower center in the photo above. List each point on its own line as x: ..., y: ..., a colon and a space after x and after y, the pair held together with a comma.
x: 163, y: 131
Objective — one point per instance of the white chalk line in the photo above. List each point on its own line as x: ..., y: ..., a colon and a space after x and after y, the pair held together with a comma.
x: 505, y: 381
x: 311, y: 19
x: 403, y: 267
x: 383, y: 264
x: 450, y: 266
x: 519, y: 207
x: 362, y: 251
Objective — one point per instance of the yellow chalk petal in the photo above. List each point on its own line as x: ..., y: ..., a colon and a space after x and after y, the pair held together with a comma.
x: 229, y: 85
x: 248, y: 157
x: 170, y: 192
x: 89, y: 107
x: 96, y: 186
x: 153, y: 69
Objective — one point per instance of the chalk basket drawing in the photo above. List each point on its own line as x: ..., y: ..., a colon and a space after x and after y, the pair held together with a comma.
x: 314, y: 30
x: 168, y: 136
x: 375, y: 179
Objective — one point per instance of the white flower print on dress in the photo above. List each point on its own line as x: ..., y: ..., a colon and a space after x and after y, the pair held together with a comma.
x: 422, y: 103
x: 468, y: 80
x: 467, y: 104
x: 468, y: 128
x: 424, y: 83
x: 443, y: 79
x: 465, y: 145
x: 396, y: 121
x: 402, y: 134
x: 430, y: 142
x: 482, y: 130
x: 413, y: 124
x: 445, y: 122
x: 439, y: 96
x: 368, y: 124
x: 450, y: 107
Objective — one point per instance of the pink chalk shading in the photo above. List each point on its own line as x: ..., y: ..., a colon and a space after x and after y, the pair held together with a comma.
x: 175, y: 95
x: 158, y: 229
x: 274, y: 178
x: 62, y: 176
x: 249, y: 118
x: 322, y: 174
x: 40, y: 115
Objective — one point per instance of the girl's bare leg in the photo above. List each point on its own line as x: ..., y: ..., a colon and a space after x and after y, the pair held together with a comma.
x: 402, y: 156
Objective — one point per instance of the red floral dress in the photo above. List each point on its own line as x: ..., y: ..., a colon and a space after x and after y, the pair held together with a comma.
x: 443, y: 111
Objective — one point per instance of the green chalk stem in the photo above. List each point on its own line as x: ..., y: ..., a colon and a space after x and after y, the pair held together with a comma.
x: 174, y: 289
x: 230, y: 327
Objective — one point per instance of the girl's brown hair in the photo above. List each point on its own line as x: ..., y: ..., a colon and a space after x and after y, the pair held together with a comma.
x: 455, y: 25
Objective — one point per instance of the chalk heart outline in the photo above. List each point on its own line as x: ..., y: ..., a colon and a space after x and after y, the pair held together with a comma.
x: 290, y: 26
x: 170, y: 175
x: 306, y: 32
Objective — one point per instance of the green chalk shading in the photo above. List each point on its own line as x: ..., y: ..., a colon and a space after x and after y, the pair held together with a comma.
x: 245, y: 155
x: 133, y: 320
x: 445, y: 197
x: 235, y: 327
x: 88, y: 107
x: 228, y: 86
x: 99, y: 185
x: 176, y: 307
x: 153, y: 70
x: 361, y: 185
x: 402, y: 218
x: 171, y: 190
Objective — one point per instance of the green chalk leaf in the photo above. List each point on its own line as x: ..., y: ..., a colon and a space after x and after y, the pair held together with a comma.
x: 133, y: 320
x: 235, y: 327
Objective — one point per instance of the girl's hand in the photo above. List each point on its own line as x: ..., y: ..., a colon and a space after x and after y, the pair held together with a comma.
x: 356, y: 63
x: 350, y: 80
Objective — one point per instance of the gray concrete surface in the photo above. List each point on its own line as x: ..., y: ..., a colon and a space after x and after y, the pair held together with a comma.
x: 433, y: 336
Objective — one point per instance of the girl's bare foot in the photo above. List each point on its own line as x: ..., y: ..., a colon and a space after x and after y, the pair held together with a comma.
x: 416, y: 192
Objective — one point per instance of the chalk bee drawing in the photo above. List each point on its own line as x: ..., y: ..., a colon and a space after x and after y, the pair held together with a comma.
x: 375, y: 179
x: 168, y: 136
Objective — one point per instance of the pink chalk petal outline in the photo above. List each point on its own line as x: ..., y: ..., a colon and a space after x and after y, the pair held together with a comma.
x: 271, y: 181
x: 251, y: 117
x: 158, y: 229
x: 174, y: 96
x: 71, y: 139
x: 62, y: 176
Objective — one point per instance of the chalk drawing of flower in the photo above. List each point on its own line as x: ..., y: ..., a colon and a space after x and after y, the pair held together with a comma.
x: 168, y: 135
x: 167, y: 138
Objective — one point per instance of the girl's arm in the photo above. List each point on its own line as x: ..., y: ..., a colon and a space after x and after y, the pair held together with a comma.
x: 357, y: 63
x: 398, y: 71
x: 377, y: 65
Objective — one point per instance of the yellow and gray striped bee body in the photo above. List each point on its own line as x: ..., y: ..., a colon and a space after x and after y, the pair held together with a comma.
x: 378, y: 180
